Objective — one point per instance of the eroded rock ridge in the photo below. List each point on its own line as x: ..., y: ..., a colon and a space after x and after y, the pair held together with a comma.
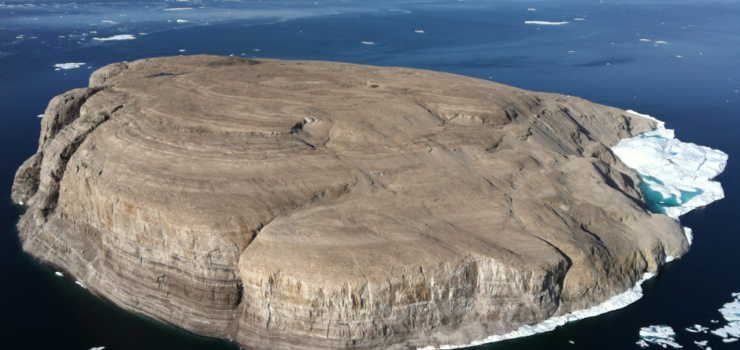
x: 317, y: 205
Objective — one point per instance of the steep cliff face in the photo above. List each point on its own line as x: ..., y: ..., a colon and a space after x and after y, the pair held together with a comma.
x: 316, y: 205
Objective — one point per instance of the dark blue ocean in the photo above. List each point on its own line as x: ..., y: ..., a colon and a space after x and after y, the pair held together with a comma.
x: 685, y: 71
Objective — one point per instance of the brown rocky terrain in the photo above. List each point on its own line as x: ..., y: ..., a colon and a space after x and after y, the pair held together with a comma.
x: 317, y: 205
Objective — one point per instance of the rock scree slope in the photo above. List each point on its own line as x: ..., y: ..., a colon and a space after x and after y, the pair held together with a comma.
x: 317, y: 205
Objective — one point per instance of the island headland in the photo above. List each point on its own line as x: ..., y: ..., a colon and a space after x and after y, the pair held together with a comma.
x: 318, y: 205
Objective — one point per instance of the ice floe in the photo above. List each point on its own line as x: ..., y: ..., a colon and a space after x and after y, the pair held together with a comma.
x: 731, y: 313
x: 661, y: 42
x: 579, y: 19
x: 98, y: 348
x: 545, y: 23
x: 178, y: 9
x: 68, y: 66
x: 80, y: 284
x: 182, y: 21
x: 365, y: 42
x: 419, y: 31
x: 615, y: 303
x: 697, y: 328
x: 117, y: 37
x: 676, y: 176
x: 660, y: 335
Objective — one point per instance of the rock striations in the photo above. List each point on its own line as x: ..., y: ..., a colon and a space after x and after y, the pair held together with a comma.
x: 317, y: 205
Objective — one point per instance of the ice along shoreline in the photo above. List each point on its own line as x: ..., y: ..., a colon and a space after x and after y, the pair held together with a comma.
x: 676, y: 178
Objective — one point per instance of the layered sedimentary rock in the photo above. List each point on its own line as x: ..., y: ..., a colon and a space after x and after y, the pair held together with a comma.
x: 317, y: 205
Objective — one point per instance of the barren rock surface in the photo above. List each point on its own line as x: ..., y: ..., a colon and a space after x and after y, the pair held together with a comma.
x: 317, y: 205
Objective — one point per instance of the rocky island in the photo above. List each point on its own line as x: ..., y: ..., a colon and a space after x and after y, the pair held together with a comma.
x: 317, y: 205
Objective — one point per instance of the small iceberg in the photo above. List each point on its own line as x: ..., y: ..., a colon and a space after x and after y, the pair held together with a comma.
x: 659, y: 335
x: 545, y: 23
x: 117, y: 37
x: 579, y: 19
x: 59, y: 273
x: 182, y: 21
x: 657, y: 332
x: 80, y: 284
x: 67, y: 66
x: 178, y: 9
x: 661, y: 42
x: 98, y: 348
x: 418, y: 31
x: 367, y: 42
x: 531, y: 9
x: 644, y: 39
x: 697, y: 329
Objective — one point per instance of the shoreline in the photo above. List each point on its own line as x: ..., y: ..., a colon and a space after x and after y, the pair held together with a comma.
x: 634, y: 160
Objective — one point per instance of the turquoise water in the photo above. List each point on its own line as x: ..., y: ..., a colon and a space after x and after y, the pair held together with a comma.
x: 600, y: 59
x: 655, y: 200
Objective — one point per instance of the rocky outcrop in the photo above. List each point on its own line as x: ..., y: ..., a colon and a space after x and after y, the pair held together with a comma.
x: 317, y: 205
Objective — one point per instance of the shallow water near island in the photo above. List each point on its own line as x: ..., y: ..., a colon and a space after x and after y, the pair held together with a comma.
x: 601, y: 58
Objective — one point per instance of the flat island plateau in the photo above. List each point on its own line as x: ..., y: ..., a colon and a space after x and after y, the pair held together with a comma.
x: 318, y: 205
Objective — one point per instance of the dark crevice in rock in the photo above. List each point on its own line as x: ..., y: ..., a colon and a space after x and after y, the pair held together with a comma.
x: 296, y: 131
x: 423, y: 105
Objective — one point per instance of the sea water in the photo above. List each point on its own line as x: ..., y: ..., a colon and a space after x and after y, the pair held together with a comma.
x: 674, y: 60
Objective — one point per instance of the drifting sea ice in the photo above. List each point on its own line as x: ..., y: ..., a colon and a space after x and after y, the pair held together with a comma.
x: 117, y: 37
x: 68, y: 65
x: 731, y: 313
x: 657, y: 332
x: 676, y: 175
x: 660, y: 335
x: 545, y: 23
x: 697, y: 329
